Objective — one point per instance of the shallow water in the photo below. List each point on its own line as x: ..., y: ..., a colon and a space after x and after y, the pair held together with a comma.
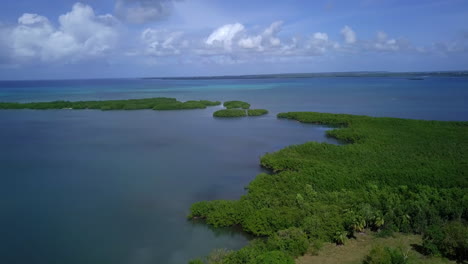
x: 89, y: 186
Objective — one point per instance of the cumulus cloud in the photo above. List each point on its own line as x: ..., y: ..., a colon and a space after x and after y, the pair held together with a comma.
x: 142, y: 11
x: 319, y: 44
x: 241, y: 45
x: 81, y: 33
x: 271, y: 31
x: 30, y: 19
x: 386, y: 44
x: 162, y: 42
x: 266, y: 40
x: 349, y: 35
x: 224, y: 36
x: 254, y: 42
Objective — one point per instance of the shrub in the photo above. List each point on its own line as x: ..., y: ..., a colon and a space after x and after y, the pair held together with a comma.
x: 385, y: 255
x: 273, y: 257
x: 236, y: 104
x: 256, y: 112
x: 449, y: 240
x: 315, y: 247
x: 292, y: 241
x: 248, y: 253
x: 218, y: 256
x: 230, y: 113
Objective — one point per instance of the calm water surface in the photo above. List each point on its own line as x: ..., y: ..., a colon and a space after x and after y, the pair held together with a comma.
x: 114, y: 187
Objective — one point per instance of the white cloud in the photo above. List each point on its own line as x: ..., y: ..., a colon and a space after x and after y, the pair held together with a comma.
x: 271, y: 31
x: 254, y: 42
x: 142, y: 11
x: 291, y: 49
x: 320, y: 36
x: 384, y: 43
x: 30, y: 19
x: 224, y: 35
x: 267, y: 39
x: 30, y: 35
x: 81, y: 33
x: 163, y: 43
x: 349, y: 35
x: 318, y: 44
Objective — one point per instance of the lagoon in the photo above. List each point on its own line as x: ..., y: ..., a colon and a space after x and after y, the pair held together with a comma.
x: 87, y: 186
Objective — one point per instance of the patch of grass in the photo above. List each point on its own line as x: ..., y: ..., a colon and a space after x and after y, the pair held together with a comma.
x: 230, y: 113
x: 158, y: 103
x: 236, y: 104
x: 257, y: 112
x: 356, y: 250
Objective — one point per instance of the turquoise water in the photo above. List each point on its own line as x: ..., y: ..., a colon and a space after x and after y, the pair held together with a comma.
x: 441, y: 98
x: 115, y: 186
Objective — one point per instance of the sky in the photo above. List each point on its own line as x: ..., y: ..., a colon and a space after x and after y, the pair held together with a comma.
x: 66, y: 39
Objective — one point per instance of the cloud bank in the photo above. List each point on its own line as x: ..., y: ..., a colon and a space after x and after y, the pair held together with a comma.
x: 81, y: 35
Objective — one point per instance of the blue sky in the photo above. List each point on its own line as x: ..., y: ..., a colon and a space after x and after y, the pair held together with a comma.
x: 137, y: 38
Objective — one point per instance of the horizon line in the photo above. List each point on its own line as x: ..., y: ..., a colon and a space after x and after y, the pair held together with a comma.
x: 460, y: 73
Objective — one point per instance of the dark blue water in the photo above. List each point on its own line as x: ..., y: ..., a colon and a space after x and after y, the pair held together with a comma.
x: 84, y: 186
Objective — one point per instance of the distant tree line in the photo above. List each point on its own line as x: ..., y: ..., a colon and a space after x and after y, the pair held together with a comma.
x: 158, y: 103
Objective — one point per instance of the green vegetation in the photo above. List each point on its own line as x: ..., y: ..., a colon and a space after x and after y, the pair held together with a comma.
x: 236, y: 109
x: 256, y: 112
x: 159, y: 103
x: 239, y: 112
x: 367, y: 247
x: 395, y: 175
x: 236, y: 104
x: 385, y: 255
x: 450, y: 239
x: 230, y: 113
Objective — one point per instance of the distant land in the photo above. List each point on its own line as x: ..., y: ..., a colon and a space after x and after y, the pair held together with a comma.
x: 411, y: 75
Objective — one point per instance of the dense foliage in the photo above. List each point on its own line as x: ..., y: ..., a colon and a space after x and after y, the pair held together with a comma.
x: 158, y: 103
x: 396, y: 175
x: 230, y: 113
x: 257, y: 112
x: 236, y: 104
x: 386, y: 255
x: 450, y: 240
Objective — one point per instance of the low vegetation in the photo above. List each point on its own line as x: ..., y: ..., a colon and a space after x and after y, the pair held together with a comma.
x: 239, y: 112
x: 369, y: 247
x: 395, y: 175
x: 257, y: 112
x: 158, y: 103
x: 238, y: 109
x: 230, y: 113
x: 236, y: 104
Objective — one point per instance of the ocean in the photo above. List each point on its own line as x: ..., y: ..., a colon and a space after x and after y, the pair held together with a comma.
x: 89, y: 186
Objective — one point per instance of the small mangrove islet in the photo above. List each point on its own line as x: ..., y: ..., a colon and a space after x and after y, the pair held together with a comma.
x: 239, y: 112
x: 230, y: 113
x: 236, y: 104
x: 238, y: 109
x: 256, y: 112
x: 157, y: 103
